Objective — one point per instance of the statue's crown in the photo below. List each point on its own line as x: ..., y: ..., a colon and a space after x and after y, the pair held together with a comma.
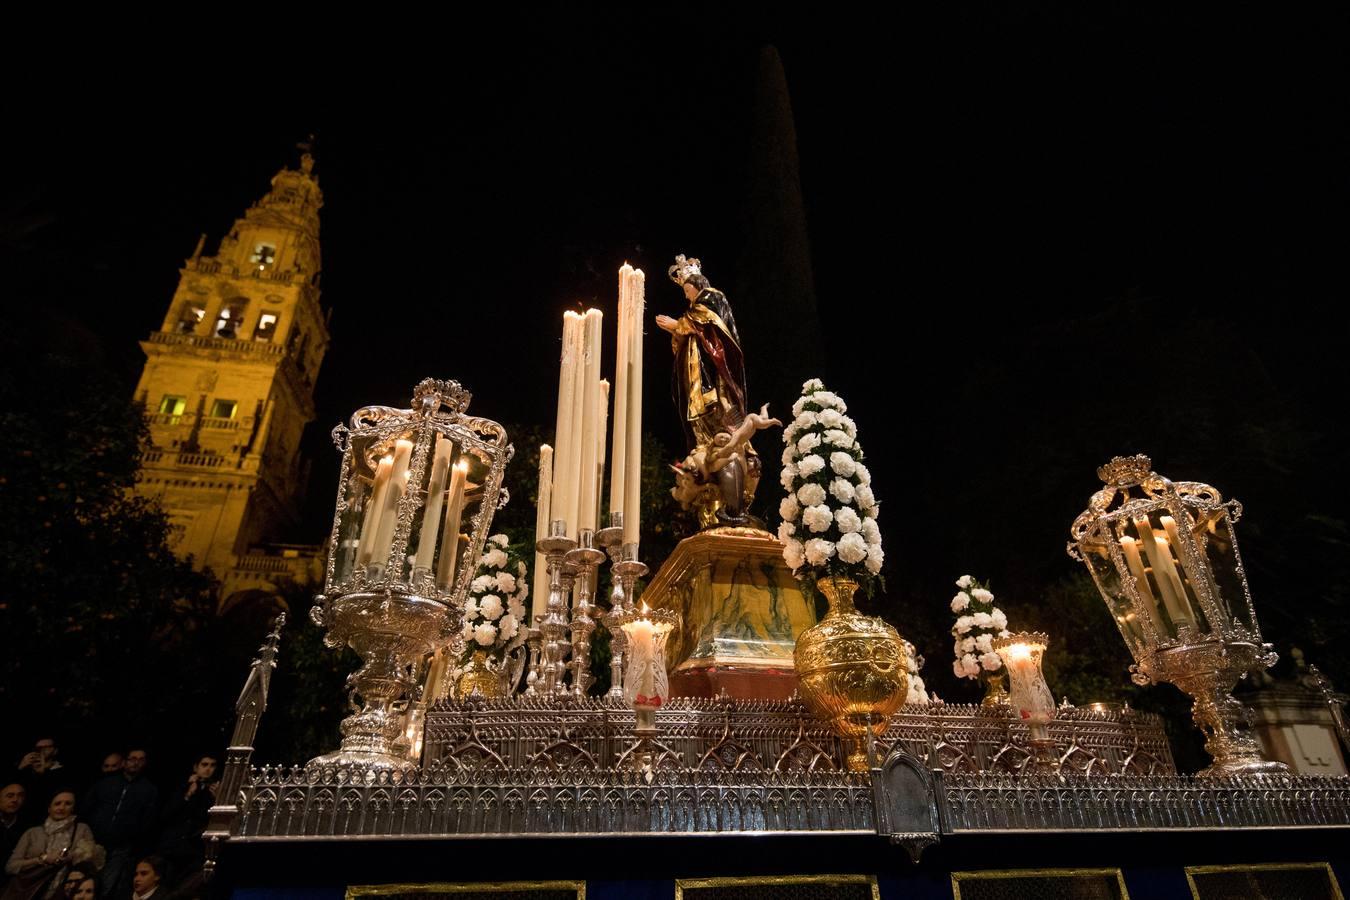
x: 683, y: 268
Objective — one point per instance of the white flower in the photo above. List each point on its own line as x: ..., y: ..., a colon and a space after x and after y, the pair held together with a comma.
x: 968, y: 645
x: 982, y: 595
x: 985, y: 643
x: 818, y: 550
x: 494, y: 559
x: 509, y: 626
x: 862, y: 474
x: 500, y: 540
x: 811, y: 494
x: 471, y: 608
x: 490, y: 607
x: 870, y: 532
x: 794, y: 554
x: 1000, y: 621
x: 789, y: 454
x: 789, y: 474
x: 516, y: 609
x: 866, y: 499
x: 830, y: 418
x: 785, y: 531
x: 960, y: 601
x: 810, y: 465
x: 875, y: 557
x: 842, y: 490
x: 482, y: 583
x: 808, y: 442
x: 971, y: 665
x: 811, y: 385
x: 798, y: 407
x: 485, y: 634
x: 842, y: 463
x: 964, y: 582
x: 805, y: 420
x: 506, y: 581
x: 838, y: 438
x: 917, y: 693
x: 788, y: 508
x: 983, y: 620
x: 848, y: 425
x: 964, y: 624
x: 852, y: 548
x: 829, y: 398
x: 1004, y: 633
x: 466, y: 632
x: 817, y: 518
x: 990, y: 661
x: 848, y: 521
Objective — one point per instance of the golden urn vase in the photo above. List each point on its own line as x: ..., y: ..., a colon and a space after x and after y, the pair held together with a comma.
x: 851, y: 669
x: 479, y: 676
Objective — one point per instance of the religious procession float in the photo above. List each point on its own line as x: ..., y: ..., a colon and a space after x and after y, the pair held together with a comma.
x: 744, y: 748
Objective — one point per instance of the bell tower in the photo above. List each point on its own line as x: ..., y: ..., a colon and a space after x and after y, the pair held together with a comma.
x: 228, y: 388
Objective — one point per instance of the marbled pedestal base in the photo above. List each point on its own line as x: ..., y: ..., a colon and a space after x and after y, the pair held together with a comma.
x: 742, y: 612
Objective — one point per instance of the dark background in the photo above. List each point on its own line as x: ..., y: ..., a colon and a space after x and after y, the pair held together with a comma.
x: 1017, y: 240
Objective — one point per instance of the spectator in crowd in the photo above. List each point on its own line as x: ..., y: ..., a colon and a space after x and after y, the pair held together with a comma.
x: 41, y: 772
x: 38, y: 863
x: 182, y: 824
x: 112, y: 763
x: 121, y: 808
x: 145, y: 883
x: 88, y: 890
x: 75, y: 876
x: 12, y: 825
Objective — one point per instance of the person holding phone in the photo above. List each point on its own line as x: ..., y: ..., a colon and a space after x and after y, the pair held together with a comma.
x: 47, y: 850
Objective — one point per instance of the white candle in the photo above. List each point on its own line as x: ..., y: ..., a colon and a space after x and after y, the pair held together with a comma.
x: 1130, y: 547
x: 632, y: 481
x: 539, y: 598
x: 1169, y: 525
x: 625, y: 323
x: 374, y: 505
x: 1155, y: 547
x: 431, y: 514
x: 601, y: 437
x: 588, y: 493
x: 454, y: 511
x: 564, y: 475
x: 398, y: 485
x: 642, y: 650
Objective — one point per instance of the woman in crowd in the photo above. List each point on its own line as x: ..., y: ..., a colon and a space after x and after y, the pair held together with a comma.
x: 39, y: 862
x: 88, y: 890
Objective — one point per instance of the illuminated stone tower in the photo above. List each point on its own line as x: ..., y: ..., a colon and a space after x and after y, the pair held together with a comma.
x: 228, y: 388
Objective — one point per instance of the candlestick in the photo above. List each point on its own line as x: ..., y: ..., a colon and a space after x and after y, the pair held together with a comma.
x: 590, y: 419
x: 611, y: 539
x: 554, y: 625
x: 632, y: 481
x: 645, y: 682
x: 1030, y: 695
x: 374, y: 506
x: 454, y: 512
x: 431, y: 515
x: 539, y: 597
x: 621, y: 375
x: 584, y: 558
x: 564, y: 467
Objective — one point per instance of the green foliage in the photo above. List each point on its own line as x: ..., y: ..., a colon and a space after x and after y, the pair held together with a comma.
x: 101, y: 616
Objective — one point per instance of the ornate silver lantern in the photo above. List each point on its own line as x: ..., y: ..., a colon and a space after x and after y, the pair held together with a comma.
x: 416, y: 496
x: 1164, y: 556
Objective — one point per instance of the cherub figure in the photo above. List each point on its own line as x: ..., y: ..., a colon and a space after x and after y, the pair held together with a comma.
x: 722, y: 475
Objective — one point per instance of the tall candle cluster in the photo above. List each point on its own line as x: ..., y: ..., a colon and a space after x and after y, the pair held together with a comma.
x: 1153, y: 561
x: 571, y: 471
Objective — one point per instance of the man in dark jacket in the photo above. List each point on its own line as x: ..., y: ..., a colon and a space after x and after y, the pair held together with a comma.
x: 121, y: 809
x: 182, y: 824
x: 13, y: 823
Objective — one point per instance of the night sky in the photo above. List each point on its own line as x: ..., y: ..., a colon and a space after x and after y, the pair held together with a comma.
x: 1034, y: 239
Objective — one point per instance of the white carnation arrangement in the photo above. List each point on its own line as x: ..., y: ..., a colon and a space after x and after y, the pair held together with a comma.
x: 978, y: 622
x: 917, y: 694
x: 495, y: 606
x: 830, y: 513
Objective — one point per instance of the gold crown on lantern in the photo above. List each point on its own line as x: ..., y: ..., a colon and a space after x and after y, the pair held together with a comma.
x: 1124, y: 471
x: 435, y: 393
x: 683, y: 268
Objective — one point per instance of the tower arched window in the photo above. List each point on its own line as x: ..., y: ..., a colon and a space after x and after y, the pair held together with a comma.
x: 264, y: 255
x: 230, y: 318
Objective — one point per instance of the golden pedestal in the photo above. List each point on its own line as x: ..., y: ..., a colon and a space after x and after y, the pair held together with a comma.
x: 742, y: 612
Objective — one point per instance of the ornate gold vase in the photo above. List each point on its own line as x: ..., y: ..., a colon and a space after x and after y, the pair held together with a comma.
x: 480, y: 676
x: 995, y: 691
x: 851, y: 669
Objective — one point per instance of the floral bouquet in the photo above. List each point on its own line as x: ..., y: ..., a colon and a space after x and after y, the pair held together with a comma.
x: 496, y: 603
x: 829, y: 514
x: 978, y: 622
x: 918, y: 692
